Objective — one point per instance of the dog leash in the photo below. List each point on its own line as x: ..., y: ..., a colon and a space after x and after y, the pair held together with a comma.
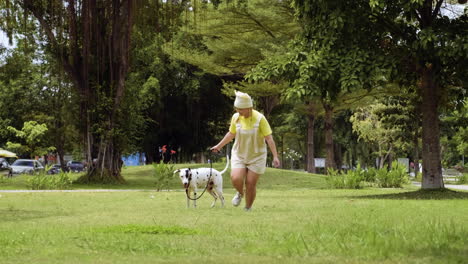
x: 206, y: 187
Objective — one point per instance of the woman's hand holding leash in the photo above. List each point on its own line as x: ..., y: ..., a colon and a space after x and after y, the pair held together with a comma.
x: 227, y: 138
x: 215, y: 149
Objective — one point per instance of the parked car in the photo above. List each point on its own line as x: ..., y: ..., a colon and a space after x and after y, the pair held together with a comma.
x: 26, y: 166
x: 56, y: 169
x: 5, y: 168
x: 75, y: 166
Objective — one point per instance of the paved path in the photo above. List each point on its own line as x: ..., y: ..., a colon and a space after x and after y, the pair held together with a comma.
x: 449, y: 186
x: 88, y: 190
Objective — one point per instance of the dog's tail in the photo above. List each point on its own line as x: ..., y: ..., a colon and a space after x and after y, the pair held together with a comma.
x: 227, y: 165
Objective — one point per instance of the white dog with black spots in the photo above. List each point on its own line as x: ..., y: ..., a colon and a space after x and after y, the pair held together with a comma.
x: 195, y: 179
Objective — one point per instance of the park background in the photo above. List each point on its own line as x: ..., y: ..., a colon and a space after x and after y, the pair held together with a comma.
x: 356, y: 86
x: 358, y: 83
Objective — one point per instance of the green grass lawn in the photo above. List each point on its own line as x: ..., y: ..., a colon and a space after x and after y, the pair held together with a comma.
x: 141, y: 178
x: 294, y: 220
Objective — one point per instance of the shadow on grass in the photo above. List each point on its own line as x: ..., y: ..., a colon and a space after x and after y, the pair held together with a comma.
x: 454, y: 252
x: 443, y: 194
x: 21, y: 215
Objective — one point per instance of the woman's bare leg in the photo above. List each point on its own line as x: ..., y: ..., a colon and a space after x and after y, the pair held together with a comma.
x: 251, y: 188
x: 237, y: 179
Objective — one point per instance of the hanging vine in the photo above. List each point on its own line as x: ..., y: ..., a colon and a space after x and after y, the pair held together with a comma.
x: 91, y: 41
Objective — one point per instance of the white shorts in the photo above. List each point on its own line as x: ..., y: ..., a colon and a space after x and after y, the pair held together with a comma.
x: 257, y: 164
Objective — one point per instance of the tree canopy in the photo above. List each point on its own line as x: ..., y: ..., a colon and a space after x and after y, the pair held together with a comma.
x: 110, y: 78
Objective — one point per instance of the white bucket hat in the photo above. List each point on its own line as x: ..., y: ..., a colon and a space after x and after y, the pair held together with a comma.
x: 243, y: 100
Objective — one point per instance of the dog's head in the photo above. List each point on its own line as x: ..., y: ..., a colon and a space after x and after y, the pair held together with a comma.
x: 185, y: 176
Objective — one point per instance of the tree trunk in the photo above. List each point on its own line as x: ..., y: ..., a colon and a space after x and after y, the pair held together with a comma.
x: 416, y: 161
x: 432, y: 168
x: 338, y: 156
x: 282, y: 150
x: 416, y: 149
x: 330, y: 159
x: 389, y: 160
x: 269, y: 103
x: 61, y: 152
x: 381, y: 161
x: 310, y: 140
x: 106, y: 168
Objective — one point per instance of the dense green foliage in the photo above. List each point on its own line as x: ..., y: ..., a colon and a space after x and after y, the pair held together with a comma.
x: 42, y: 181
x: 309, y: 65
x: 352, y: 179
x: 31, y: 138
x: 372, y: 43
x: 394, y: 177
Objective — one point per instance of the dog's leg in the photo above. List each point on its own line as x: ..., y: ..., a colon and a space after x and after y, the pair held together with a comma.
x: 195, y: 197
x: 219, y: 192
x: 188, y: 200
x: 214, y: 196
x: 221, y: 198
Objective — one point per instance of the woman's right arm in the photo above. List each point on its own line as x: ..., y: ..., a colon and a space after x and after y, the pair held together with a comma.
x: 227, y: 138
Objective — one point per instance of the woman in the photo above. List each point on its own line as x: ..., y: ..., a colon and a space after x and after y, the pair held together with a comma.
x: 251, y: 130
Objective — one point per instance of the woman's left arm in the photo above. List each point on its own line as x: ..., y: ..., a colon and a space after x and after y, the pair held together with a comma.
x: 272, y: 145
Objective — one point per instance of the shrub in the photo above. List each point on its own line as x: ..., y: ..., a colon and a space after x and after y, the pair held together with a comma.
x: 370, y: 175
x: 353, y: 178
x: 334, y: 179
x: 350, y: 180
x: 394, y: 178
x: 42, y: 181
x: 462, y: 179
x: 2, y: 179
x: 163, y: 173
x: 381, y: 176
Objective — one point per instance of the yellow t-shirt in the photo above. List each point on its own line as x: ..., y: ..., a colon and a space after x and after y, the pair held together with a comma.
x: 248, y: 123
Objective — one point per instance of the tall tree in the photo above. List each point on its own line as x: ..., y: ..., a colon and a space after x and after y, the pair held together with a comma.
x: 21, y: 86
x: 322, y: 63
x: 91, y: 41
x: 432, y: 47
x: 419, y: 44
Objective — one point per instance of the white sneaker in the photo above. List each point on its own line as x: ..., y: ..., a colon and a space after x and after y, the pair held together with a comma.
x: 237, y: 199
